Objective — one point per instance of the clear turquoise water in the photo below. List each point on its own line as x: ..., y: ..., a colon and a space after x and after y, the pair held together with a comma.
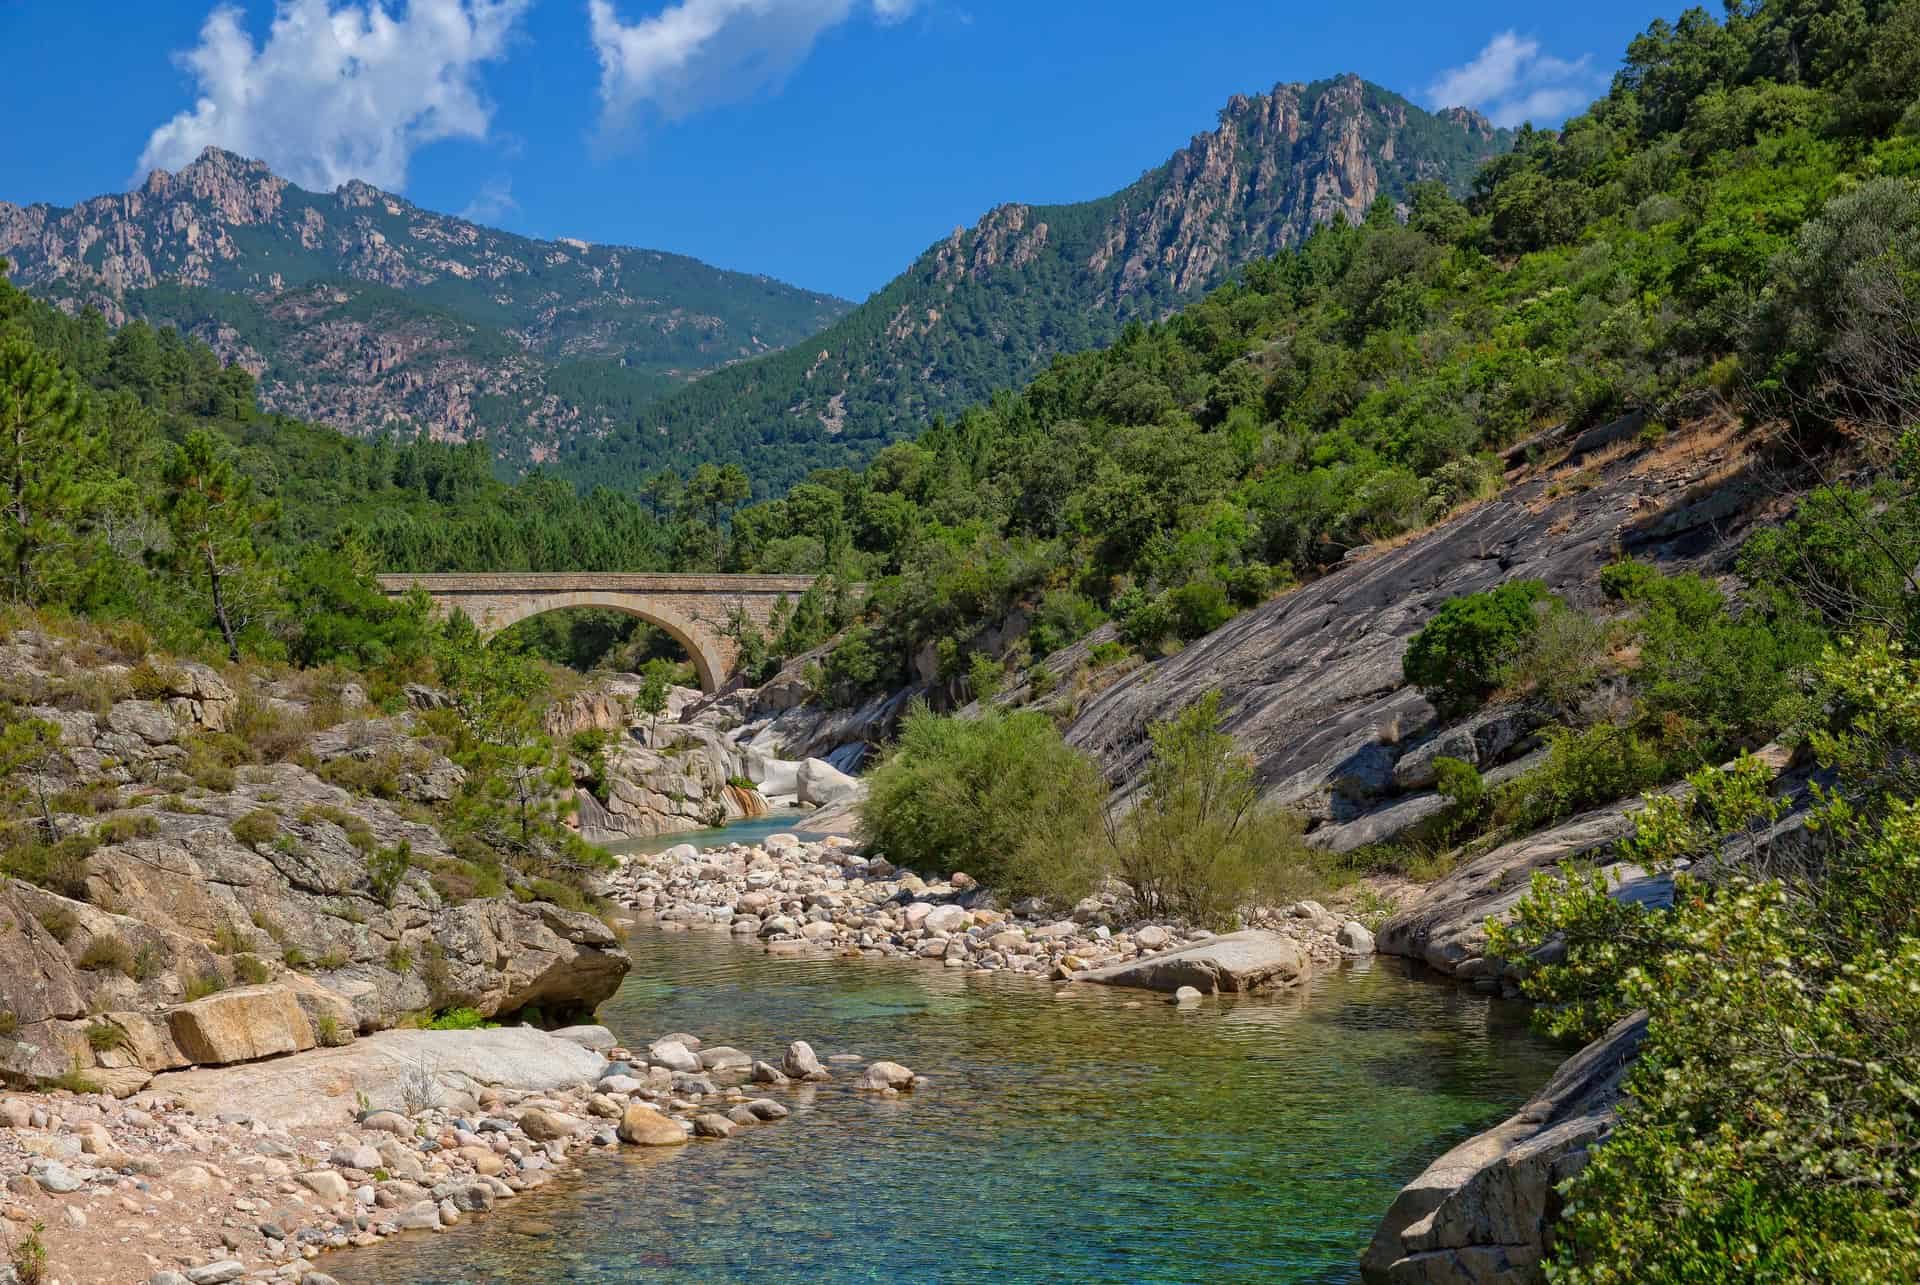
x: 785, y: 821
x: 1104, y: 1137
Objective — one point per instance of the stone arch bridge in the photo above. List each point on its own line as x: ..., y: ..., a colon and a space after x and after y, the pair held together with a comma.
x: 693, y: 609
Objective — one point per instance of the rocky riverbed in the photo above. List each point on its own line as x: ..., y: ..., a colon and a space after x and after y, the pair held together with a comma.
x: 251, y: 1173
x: 802, y: 896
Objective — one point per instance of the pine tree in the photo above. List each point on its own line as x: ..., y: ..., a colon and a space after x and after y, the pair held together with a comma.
x: 47, y: 448
x: 213, y: 516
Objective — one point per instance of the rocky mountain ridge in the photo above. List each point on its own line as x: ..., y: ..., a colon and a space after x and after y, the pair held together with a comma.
x: 360, y: 309
x: 989, y: 306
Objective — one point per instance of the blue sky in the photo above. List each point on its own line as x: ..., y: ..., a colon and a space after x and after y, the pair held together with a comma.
x: 826, y: 142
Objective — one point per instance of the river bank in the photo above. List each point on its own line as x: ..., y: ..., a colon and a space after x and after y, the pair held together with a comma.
x: 797, y: 895
x: 254, y: 1172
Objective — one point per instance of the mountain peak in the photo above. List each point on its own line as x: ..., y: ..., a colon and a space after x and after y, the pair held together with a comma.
x: 214, y: 164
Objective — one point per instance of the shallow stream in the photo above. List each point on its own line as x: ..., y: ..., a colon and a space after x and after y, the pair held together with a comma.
x: 1106, y: 1136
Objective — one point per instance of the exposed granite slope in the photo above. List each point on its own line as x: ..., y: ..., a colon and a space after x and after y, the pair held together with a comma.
x: 1311, y: 682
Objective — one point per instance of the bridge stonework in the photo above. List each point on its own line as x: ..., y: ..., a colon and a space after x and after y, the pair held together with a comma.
x: 693, y: 609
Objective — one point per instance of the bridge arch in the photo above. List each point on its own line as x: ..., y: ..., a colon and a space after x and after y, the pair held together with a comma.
x: 712, y: 660
x: 692, y: 609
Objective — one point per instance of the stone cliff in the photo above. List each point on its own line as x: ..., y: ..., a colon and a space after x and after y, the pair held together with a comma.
x: 222, y: 915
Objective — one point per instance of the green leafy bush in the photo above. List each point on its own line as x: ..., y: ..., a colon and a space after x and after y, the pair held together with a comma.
x: 1562, y: 660
x: 1460, y: 656
x: 1771, y: 1127
x: 1142, y: 620
x: 257, y: 827
x: 1063, y: 618
x: 985, y: 676
x: 103, y: 1037
x: 460, y: 1019
x: 1199, y: 843
x: 1001, y: 797
x: 1198, y: 608
x: 1713, y: 680
x: 1584, y: 769
x: 58, y: 867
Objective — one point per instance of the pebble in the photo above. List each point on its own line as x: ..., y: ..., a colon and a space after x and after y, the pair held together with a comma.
x: 804, y: 897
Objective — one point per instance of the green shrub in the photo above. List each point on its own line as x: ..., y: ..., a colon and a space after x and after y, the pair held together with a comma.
x: 1061, y: 619
x: 1628, y: 580
x: 1142, y: 620
x: 1001, y: 797
x: 122, y: 826
x: 377, y: 776
x: 386, y: 868
x: 1460, y: 657
x: 105, y: 1036
x: 1200, y: 844
x: 1198, y: 608
x: 28, y: 1259
x: 252, y: 969
x: 1585, y: 769
x: 566, y: 896
x: 437, y: 974
x: 358, y: 832
x: 60, y: 867
x: 1773, y: 1122
x: 1561, y: 660
x: 211, y: 759
x: 59, y: 922
x: 985, y: 676
x: 1469, y: 805
x: 399, y: 959
x: 107, y: 954
x: 326, y: 1030
x: 1100, y: 655
x: 205, y: 984
x: 269, y: 735
x: 148, y: 961
x: 1714, y: 681
x: 460, y: 1019
x: 256, y: 827
x: 9, y: 1023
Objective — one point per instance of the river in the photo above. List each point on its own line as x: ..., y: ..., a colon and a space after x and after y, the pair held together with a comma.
x: 1105, y: 1136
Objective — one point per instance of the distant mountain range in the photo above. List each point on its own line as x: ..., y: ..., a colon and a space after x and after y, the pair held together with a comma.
x: 358, y: 309
x: 990, y: 306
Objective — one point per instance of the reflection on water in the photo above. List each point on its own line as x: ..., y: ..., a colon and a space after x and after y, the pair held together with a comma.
x: 1105, y: 1136
x: 782, y: 821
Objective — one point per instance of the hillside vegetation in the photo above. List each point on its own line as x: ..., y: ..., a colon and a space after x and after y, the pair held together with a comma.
x: 1732, y: 228
x: 358, y: 309
x: 988, y: 307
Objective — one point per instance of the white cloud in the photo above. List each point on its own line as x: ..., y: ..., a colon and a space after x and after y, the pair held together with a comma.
x: 1512, y: 81
x: 696, y: 54
x: 493, y: 202
x: 338, y: 93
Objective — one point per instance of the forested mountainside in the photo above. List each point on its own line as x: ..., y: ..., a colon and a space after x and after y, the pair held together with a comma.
x: 988, y: 307
x: 360, y: 310
x: 1725, y: 233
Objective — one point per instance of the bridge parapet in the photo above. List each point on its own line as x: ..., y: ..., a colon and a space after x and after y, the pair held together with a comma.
x: 692, y: 608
